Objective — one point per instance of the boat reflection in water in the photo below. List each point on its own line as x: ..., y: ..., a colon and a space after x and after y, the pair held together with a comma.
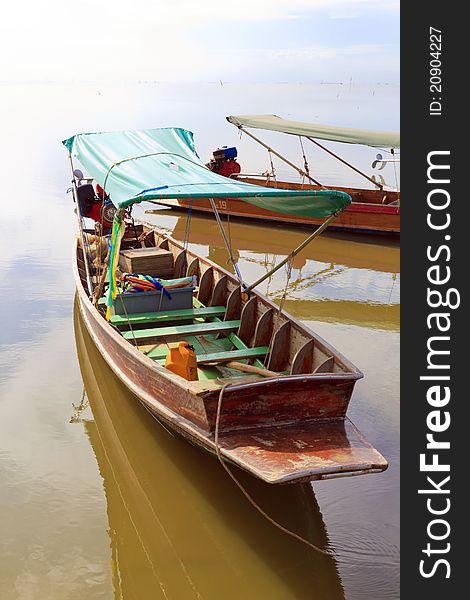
x: 178, y: 525
x: 337, y: 278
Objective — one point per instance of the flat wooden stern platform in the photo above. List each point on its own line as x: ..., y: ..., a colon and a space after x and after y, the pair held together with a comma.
x: 320, y: 449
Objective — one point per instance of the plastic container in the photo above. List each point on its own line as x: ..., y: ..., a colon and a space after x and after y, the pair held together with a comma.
x: 143, y: 302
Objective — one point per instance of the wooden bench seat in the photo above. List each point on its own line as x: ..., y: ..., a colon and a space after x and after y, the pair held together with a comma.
x: 179, y: 332
x: 229, y: 355
x: 159, y: 354
x: 166, y: 317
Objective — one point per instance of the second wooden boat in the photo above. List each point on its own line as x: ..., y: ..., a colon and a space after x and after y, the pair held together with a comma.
x: 373, y: 210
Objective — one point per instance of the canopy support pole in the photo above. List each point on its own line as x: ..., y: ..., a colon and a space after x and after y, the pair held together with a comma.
x: 299, y: 248
x: 80, y: 229
x: 298, y: 169
x: 379, y: 185
x: 227, y: 244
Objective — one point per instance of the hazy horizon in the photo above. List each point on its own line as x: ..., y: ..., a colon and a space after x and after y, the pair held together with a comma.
x: 270, y: 41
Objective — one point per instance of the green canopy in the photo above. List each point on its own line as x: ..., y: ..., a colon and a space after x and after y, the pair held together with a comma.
x: 157, y: 164
x: 348, y: 135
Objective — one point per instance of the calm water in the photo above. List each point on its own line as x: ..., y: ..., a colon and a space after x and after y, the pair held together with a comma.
x: 111, y: 505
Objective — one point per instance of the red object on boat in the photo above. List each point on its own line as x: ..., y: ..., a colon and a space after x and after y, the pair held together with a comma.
x: 224, y: 162
x: 228, y: 168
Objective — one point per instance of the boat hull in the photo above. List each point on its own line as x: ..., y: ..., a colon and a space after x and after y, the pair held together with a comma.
x: 359, y: 218
x: 281, y: 430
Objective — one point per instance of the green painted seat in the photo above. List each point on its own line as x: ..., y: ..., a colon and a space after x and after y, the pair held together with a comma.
x: 168, y: 316
x: 229, y: 355
x: 179, y: 332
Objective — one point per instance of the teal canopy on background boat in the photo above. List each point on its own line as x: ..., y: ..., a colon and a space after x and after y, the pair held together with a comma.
x: 156, y: 164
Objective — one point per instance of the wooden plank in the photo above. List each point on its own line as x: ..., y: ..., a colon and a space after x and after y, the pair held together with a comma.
x: 302, y: 362
x: 219, y: 295
x: 172, y: 315
x: 193, y: 268
x: 280, y: 348
x: 180, y: 265
x: 148, y: 261
x: 264, y: 329
x: 234, y: 305
x: 232, y: 355
x: 326, y: 366
x: 205, y: 286
x: 175, y: 333
x: 247, y: 321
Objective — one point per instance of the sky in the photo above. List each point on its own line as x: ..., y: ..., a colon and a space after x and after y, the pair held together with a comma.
x: 200, y: 40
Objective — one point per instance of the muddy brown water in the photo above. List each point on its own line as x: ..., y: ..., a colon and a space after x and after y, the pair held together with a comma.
x: 112, y: 505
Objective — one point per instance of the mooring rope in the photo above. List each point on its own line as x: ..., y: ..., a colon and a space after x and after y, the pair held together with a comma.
x: 243, y: 490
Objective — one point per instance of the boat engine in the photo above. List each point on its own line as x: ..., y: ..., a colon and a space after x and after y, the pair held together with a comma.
x: 96, y: 206
x: 224, y: 162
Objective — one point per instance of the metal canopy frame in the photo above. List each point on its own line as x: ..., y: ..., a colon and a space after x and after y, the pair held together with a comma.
x: 301, y: 171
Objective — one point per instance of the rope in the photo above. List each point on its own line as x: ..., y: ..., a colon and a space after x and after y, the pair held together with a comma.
x: 186, y: 235
x: 243, y: 490
x: 87, y: 245
x: 79, y: 408
x: 307, y: 171
x: 130, y: 324
x: 227, y: 244
x: 99, y: 262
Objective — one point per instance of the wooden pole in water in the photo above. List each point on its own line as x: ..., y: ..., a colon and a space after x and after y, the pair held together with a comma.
x: 294, y: 252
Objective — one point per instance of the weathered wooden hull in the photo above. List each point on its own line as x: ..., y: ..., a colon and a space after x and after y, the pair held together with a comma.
x: 366, y: 213
x: 283, y: 429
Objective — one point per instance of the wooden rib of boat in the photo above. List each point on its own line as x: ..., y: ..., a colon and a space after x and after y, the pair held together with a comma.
x: 291, y: 426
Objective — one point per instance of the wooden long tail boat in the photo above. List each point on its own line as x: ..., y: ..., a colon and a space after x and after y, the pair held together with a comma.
x: 373, y: 210
x: 284, y: 422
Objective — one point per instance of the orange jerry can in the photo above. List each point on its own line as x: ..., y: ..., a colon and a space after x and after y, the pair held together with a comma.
x: 181, y: 359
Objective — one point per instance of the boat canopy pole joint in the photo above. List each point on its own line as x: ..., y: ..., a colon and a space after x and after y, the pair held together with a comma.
x: 294, y: 252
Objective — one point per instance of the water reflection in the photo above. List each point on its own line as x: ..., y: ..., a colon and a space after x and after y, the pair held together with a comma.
x: 337, y: 279
x: 178, y: 526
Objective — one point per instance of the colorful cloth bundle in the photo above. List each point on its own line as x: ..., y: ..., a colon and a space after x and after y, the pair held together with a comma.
x: 135, y: 283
